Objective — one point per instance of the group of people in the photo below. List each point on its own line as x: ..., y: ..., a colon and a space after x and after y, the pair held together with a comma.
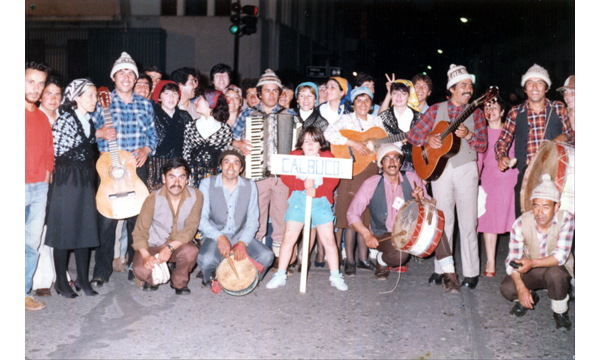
x: 190, y: 150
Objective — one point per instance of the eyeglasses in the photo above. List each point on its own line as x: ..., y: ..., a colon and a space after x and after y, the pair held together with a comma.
x: 387, y: 159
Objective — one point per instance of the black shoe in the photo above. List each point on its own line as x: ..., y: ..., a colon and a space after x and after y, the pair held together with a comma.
x: 562, y: 320
x: 200, y: 274
x: 87, y: 290
x: 470, y: 282
x: 319, y: 264
x: 148, y: 287
x: 130, y: 276
x: 436, y: 278
x: 367, y: 264
x: 518, y: 310
x: 98, y: 281
x: 350, y: 268
x: 183, y: 291
x: 66, y: 292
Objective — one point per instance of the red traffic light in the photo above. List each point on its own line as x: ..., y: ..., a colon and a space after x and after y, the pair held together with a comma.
x: 250, y: 10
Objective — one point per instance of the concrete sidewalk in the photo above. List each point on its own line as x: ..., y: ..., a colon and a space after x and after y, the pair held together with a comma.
x: 415, y: 321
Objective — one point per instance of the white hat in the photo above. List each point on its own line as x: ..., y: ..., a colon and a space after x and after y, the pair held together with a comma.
x: 546, y: 190
x: 457, y: 73
x: 269, y: 77
x: 569, y: 84
x: 536, y: 71
x: 386, y: 149
x: 124, y: 62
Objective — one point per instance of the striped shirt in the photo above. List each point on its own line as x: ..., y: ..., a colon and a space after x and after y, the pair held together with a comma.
x: 240, y: 123
x: 134, y: 123
x: 563, y: 242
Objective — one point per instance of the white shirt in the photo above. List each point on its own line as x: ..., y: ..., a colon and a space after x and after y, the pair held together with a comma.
x: 207, y: 127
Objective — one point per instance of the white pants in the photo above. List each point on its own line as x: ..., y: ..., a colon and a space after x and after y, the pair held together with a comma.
x: 45, y: 274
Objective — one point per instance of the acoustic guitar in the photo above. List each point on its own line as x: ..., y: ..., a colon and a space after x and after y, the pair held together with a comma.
x: 374, y: 137
x: 429, y: 163
x: 121, y: 192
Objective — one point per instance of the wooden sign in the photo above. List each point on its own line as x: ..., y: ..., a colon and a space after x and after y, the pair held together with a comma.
x: 309, y: 166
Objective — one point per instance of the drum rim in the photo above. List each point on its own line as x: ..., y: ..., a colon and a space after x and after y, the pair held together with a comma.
x: 245, y: 291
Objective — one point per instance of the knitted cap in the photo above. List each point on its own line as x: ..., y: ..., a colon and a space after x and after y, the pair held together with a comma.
x: 546, y: 190
x: 124, y: 62
x: 211, y: 97
x: 161, y: 84
x: 233, y: 88
x: 456, y: 74
x: 386, y: 149
x: 269, y: 77
x: 312, y: 85
x: 359, y: 91
x: 536, y: 71
x: 232, y: 150
x: 569, y: 84
x: 343, y: 83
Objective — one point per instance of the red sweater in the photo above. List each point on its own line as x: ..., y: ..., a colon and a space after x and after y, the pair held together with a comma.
x: 39, y: 150
x: 325, y: 189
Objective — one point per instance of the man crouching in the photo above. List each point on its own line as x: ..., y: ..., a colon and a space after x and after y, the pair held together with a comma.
x: 165, y: 226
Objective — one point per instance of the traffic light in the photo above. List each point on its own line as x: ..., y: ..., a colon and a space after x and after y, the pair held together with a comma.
x: 245, y: 25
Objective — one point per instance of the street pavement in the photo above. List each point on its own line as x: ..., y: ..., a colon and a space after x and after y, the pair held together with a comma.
x: 372, y: 320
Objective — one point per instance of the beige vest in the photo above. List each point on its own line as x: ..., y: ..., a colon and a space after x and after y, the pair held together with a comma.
x: 531, y: 248
x: 465, y: 153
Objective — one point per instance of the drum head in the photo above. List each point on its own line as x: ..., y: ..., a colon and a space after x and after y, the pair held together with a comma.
x: 230, y: 283
x: 404, y: 224
x: 545, y: 161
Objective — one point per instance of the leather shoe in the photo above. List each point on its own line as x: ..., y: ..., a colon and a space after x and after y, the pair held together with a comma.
x: 98, y: 281
x: 450, y: 283
x: 382, y: 272
x: 183, y: 291
x: 43, y: 292
x: 200, y: 274
x: 436, y: 278
x: 489, y: 273
x: 148, y: 287
x: 350, y: 268
x: 33, y: 305
x: 367, y: 264
x: 470, y: 282
x: 319, y: 264
x: 518, y: 310
x: 562, y: 320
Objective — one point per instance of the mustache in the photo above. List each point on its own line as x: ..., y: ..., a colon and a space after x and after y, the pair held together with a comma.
x: 467, y: 93
x: 175, y: 187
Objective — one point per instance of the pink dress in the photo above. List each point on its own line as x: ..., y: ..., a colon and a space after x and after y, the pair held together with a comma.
x: 499, y: 186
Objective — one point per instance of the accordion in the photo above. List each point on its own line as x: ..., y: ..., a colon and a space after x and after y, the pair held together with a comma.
x: 268, y: 134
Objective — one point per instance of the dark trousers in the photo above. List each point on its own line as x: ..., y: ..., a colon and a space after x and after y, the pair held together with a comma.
x: 184, y: 258
x: 105, y: 253
x: 395, y: 258
x: 555, y: 279
x: 518, y: 186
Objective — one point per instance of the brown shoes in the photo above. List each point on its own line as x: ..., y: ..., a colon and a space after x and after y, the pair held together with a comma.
x: 43, y: 292
x: 31, y: 304
x: 450, y: 283
x: 381, y: 272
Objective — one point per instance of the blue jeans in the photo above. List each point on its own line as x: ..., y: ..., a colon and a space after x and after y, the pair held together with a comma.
x: 36, y: 195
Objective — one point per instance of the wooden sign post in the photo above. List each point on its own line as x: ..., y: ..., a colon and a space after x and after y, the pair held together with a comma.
x: 309, y: 166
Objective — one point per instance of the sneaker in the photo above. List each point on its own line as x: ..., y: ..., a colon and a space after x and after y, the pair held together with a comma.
x: 31, y: 304
x: 338, y: 282
x: 276, y: 281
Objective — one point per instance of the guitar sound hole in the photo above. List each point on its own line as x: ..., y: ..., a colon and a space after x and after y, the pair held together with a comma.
x: 117, y: 172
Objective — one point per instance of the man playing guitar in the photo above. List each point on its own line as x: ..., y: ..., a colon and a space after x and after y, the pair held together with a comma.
x: 458, y: 183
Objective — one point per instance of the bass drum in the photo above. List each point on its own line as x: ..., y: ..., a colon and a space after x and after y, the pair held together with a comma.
x: 418, y: 228
x: 229, y: 282
x: 558, y: 160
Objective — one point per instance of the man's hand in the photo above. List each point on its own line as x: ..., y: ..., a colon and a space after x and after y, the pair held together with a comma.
x: 164, y: 255
x: 463, y: 132
x: 417, y: 193
x: 141, y: 155
x: 238, y: 254
x: 107, y: 132
x: 371, y: 241
x: 244, y: 145
x: 503, y: 163
x: 224, y: 246
x: 434, y: 141
x: 359, y: 147
x: 525, y: 297
x: 561, y: 138
x: 526, y: 265
x: 150, y: 261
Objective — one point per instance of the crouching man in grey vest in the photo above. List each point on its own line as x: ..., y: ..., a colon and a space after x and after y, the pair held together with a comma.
x: 384, y: 195
x: 165, y: 226
x: 539, y: 255
x: 229, y: 218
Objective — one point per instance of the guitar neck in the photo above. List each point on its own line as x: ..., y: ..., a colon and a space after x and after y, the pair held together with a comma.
x: 390, y: 139
x: 113, y: 147
x: 459, y: 120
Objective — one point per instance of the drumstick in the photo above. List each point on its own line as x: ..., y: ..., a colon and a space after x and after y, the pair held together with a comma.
x: 403, y: 232
x: 230, y: 260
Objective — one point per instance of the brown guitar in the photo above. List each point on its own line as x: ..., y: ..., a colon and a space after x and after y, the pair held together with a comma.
x: 121, y: 192
x: 429, y: 163
x: 374, y: 137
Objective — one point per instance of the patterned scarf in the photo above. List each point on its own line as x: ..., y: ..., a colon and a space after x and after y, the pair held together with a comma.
x: 73, y: 90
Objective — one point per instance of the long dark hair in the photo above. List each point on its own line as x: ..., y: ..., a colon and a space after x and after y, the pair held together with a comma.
x: 316, y: 134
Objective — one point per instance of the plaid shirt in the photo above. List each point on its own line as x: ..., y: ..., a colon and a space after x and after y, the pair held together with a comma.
x: 240, y: 123
x: 563, y: 242
x: 418, y: 134
x: 537, y: 123
x: 134, y: 123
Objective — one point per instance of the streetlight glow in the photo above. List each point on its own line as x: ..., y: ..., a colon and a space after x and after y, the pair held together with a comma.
x: 440, y: 51
x: 464, y: 20
x: 429, y: 67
